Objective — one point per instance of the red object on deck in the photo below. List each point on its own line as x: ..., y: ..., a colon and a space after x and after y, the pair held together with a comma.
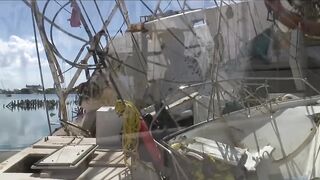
x: 150, y: 144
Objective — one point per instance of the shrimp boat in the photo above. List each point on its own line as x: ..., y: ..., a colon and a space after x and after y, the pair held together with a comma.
x: 226, y: 91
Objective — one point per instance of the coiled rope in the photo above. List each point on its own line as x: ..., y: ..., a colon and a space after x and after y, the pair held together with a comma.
x: 131, y: 127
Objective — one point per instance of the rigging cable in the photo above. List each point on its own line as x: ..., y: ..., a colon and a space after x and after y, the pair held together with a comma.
x: 157, y: 8
x: 173, y: 35
x: 169, y: 30
x: 108, y: 34
x: 103, y: 57
x: 55, y: 25
x: 87, y: 16
x: 118, y: 59
x: 40, y: 70
x: 101, y: 18
x: 55, y: 49
x: 53, y: 64
x: 223, y: 19
x: 93, y: 27
x: 61, y: 6
x: 72, y: 64
x: 111, y: 40
x: 129, y: 67
x: 134, y: 41
x: 103, y: 60
x: 147, y: 6
x: 58, y: 69
x: 168, y: 5
x: 213, y: 89
x: 239, y: 37
x: 184, y: 20
x: 91, y: 37
x: 190, y: 28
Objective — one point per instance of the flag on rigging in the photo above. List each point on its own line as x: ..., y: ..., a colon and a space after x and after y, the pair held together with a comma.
x: 75, y: 15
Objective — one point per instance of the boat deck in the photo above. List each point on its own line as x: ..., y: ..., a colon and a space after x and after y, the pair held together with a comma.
x: 101, y: 164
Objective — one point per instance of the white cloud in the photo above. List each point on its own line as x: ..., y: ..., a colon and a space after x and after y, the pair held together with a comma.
x: 19, y: 65
x: 18, y: 52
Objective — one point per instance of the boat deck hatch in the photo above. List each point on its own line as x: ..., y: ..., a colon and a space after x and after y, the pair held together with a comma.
x: 67, y: 157
x: 24, y: 165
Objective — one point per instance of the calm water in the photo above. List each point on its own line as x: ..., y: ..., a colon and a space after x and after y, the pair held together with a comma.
x: 20, y: 128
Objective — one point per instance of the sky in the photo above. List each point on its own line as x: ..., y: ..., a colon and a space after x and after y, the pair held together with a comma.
x: 18, y: 58
x: 17, y: 48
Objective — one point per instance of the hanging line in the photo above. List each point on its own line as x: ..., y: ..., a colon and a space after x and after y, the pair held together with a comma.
x: 40, y: 70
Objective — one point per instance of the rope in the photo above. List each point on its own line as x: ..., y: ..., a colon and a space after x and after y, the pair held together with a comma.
x: 131, y: 127
x: 40, y: 69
